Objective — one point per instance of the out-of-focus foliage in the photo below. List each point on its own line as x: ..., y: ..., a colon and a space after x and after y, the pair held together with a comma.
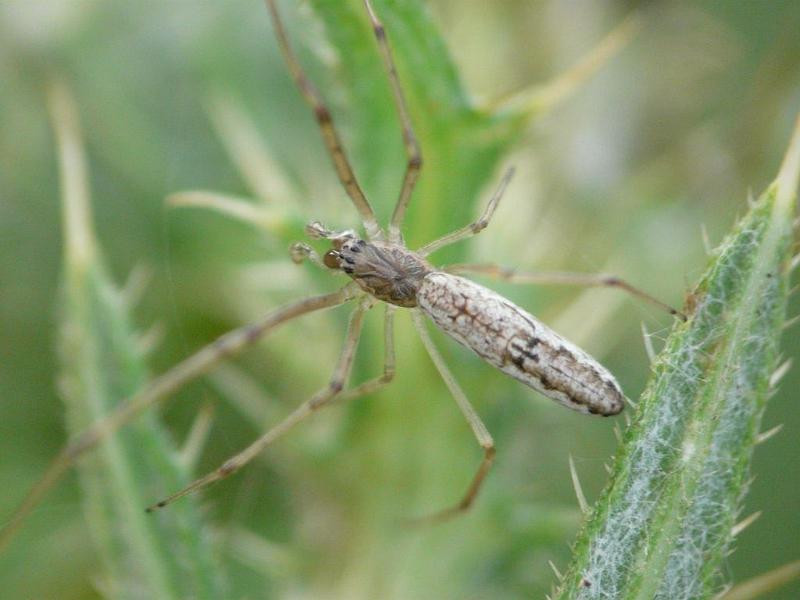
x: 621, y: 177
x: 101, y: 365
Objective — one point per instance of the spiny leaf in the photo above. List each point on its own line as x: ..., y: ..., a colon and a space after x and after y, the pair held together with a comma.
x: 145, y: 557
x: 663, y: 526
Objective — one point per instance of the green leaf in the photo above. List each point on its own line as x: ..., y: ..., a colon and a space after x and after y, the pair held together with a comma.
x: 663, y: 527
x: 101, y: 364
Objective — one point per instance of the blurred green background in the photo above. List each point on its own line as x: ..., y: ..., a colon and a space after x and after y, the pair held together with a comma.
x: 668, y: 138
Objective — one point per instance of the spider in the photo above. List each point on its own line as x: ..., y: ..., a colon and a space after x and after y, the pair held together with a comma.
x: 383, y: 270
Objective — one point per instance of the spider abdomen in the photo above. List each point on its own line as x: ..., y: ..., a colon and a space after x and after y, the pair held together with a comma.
x: 515, y: 342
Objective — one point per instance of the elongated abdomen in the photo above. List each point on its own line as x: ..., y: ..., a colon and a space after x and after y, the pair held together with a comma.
x: 512, y: 340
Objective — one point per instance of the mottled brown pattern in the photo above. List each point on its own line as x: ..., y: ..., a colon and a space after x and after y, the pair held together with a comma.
x: 512, y: 340
x: 387, y: 271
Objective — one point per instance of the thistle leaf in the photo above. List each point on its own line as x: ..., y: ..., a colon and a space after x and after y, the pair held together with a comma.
x: 664, y: 524
x: 165, y: 557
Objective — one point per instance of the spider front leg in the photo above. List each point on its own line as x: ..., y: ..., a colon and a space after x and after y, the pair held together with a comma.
x: 373, y: 385
x: 326, y: 125
x: 413, y: 153
x: 160, y: 389
x: 562, y: 278
x: 341, y: 375
x: 478, y: 428
x: 472, y: 228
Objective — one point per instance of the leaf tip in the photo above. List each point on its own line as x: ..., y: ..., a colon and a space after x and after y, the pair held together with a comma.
x: 79, y: 240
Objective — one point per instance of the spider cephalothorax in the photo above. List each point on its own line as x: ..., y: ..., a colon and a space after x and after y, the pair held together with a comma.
x: 387, y: 271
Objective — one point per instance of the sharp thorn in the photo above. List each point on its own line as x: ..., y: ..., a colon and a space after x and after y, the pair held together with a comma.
x: 648, y: 344
x: 789, y: 323
x: 744, y: 523
x: 706, y: 241
x: 780, y: 372
x: 764, y: 436
x: 555, y: 570
x: 584, y: 506
x: 751, y: 199
x: 794, y: 263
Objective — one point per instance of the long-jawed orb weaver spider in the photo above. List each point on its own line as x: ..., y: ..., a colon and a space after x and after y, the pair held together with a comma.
x: 383, y: 269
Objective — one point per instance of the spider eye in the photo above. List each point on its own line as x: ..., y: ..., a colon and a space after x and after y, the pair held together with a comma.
x: 331, y: 259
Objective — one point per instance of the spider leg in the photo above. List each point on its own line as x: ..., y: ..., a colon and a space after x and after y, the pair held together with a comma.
x: 472, y: 228
x: 478, y: 428
x: 373, y: 385
x: 562, y: 278
x: 160, y: 389
x: 337, y: 381
x: 413, y: 153
x: 327, y: 128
